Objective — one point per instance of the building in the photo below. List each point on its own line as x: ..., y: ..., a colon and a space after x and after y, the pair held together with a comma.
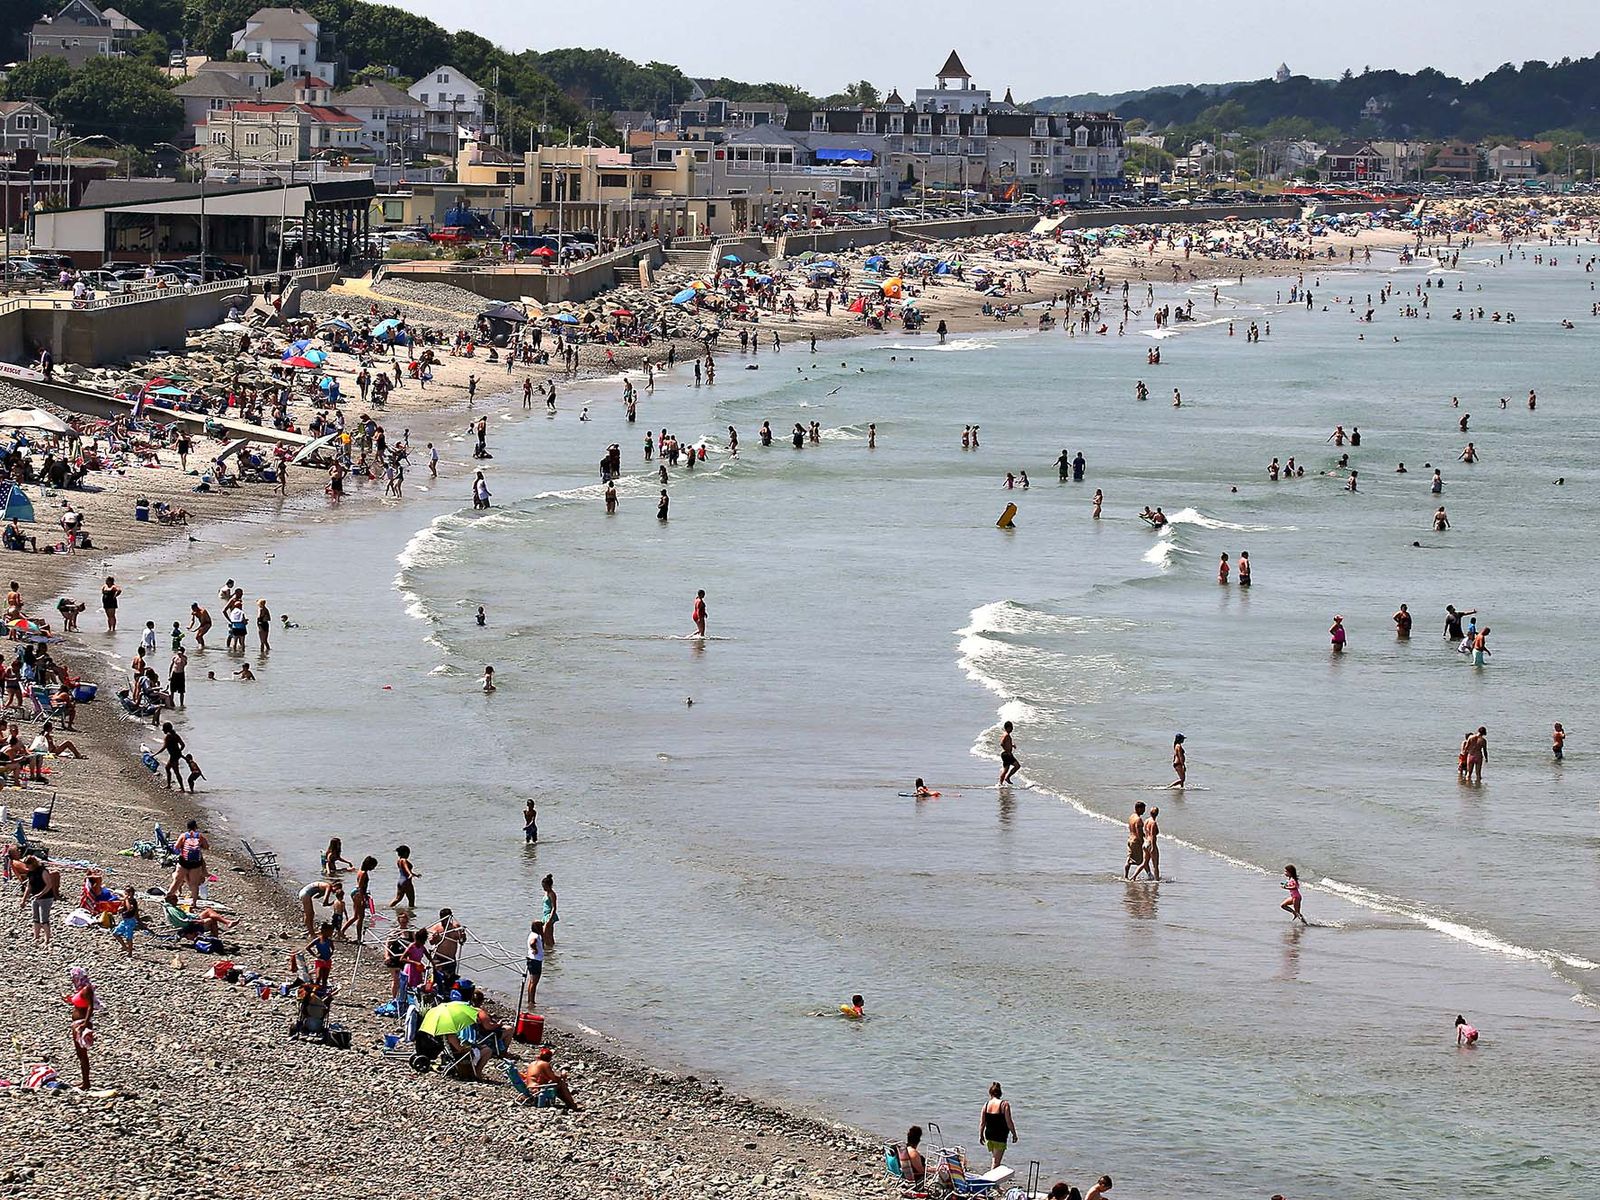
x: 302, y: 127
x: 714, y: 118
x: 954, y: 142
x: 596, y: 188
x: 216, y: 85
x: 151, y: 219
x: 289, y: 40
x: 452, y: 109
x: 1281, y: 75
x: 1355, y: 162
x: 391, y: 121
x: 25, y: 126
x: 1457, y: 161
x: 962, y: 98
x: 81, y: 31
x: 1513, y: 162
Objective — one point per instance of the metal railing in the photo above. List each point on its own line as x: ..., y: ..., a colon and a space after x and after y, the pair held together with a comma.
x: 147, y: 292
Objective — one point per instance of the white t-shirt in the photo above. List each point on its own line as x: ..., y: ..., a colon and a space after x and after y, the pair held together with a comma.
x: 536, y: 946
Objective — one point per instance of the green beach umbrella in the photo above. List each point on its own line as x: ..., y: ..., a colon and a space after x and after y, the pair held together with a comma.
x: 445, y: 1019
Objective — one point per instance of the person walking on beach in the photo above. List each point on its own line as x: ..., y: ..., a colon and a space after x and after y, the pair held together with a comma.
x: 1135, y: 840
x: 191, y: 869
x: 1152, y: 849
x: 405, y: 887
x: 175, y: 676
x: 1009, y: 766
x: 81, y: 1000
x: 108, y: 602
x: 172, y: 745
x: 551, y: 916
x: 699, y: 614
x: 1291, y: 884
x: 360, y: 898
x: 995, y: 1124
x: 1180, y: 762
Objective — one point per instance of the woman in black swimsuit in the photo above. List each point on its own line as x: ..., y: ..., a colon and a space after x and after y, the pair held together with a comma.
x: 108, y: 601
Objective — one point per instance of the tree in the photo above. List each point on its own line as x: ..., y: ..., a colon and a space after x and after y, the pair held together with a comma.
x: 41, y: 80
x: 126, y: 100
x: 210, y: 24
x: 379, y: 36
x: 861, y: 94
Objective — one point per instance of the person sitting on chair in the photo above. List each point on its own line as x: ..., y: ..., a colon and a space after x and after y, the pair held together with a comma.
x: 543, y: 1079
x: 479, y: 1051
x: 192, y: 924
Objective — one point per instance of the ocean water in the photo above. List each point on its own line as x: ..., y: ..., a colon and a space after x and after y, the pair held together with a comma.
x: 731, y: 868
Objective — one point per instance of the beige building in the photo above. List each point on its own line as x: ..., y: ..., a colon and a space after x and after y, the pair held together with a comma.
x: 280, y: 131
x: 595, y: 188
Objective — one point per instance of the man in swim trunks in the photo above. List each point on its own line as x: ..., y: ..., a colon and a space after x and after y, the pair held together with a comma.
x: 1135, y: 840
x: 1009, y: 766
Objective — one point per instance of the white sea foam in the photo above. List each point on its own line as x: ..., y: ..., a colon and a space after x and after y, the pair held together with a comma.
x: 1164, y: 551
x: 1191, y: 516
x: 1453, y: 929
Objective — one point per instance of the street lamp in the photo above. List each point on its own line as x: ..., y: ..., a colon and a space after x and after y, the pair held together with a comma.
x: 283, y: 216
x: 205, y: 241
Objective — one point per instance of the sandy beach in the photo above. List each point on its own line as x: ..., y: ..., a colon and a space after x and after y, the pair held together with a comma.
x: 190, y: 1070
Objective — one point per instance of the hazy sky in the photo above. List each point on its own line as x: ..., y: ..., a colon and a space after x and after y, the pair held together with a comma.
x: 1043, y: 47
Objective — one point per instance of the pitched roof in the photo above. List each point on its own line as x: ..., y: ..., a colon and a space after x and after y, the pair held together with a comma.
x: 118, y: 21
x: 287, y: 89
x: 953, y: 68
x: 7, y: 107
x: 376, y: 94
x: 286, y: 23
x: 215, y: 85
x: 894, y: 97
x: 322, y: 114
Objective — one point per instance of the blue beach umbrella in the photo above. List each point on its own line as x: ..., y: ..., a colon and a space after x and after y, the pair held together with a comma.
x: 732, y: 258
x: 566, y: 318
x: 684, y: 297
x: 384, y: 326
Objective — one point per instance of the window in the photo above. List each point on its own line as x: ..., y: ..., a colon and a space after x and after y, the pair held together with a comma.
x: 252, y: 138
x: 1080, y: 136
x: 380, y: 114
x: 663, y: 155
x: 921, y: 145
x: 819, y: 120
x: 711, y: 211
x: 441, y: 77
x: 980, y: 127
x: 644, y: 181
x: 219, y: 137
x: 1041, y: 127
x: 1080, y: 162
x: 952, y: 124
x: 424, y: 97
x: 394, y: 210
x: 461, y: 97
x: 702, y: 156
x: 869, y: 122
x: 286, y: 139
x: 613, y: 181
x: 924, y: 124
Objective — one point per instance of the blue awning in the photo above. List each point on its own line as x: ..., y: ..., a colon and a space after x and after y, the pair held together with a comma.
x: 865, y: 156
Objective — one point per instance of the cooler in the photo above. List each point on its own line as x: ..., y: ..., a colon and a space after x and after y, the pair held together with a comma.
x: 530, y: 1028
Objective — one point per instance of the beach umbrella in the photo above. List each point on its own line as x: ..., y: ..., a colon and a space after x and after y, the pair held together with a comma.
x: 541, y: 252
x: 827, y: 262
x: 334, y: 323
x: 451, y: 1017
x: 33, y: 418
x: 699, y: 285
x: 506, y: 312
x: 310, y: 448
x: 299, y: 360
x: 732, y: 258
x: 297, y: 347
x: 685, y: 297
x: 622, y: 312
x: 565, y: 318
x: 315, y: 356
x: 24, y: 625
x: 384, y: 326
x: 169, y: 390
x: 876, y: 261
x: 17, y: 505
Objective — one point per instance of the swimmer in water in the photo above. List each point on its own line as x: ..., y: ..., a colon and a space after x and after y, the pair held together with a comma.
x: 922, y: 792
x: 1466, y: 1035
x: 1291, y: 884
x: 1558, y: 740
x: 488, y: 680
x: 855, y: 1010
x: 482, y: 619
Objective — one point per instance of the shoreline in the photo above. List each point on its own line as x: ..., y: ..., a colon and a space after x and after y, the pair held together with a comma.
x: 850, y: 1152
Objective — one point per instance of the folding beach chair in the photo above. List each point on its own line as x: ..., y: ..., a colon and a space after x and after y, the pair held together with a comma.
x: 265, y: 862
x: 29, y: 846
x: 543, y: 1097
